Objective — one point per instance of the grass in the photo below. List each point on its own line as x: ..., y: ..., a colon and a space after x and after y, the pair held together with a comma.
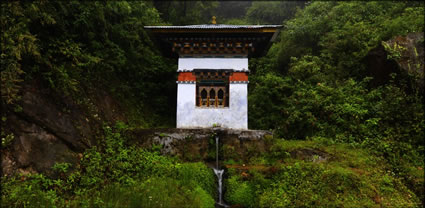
x: 292, y: 176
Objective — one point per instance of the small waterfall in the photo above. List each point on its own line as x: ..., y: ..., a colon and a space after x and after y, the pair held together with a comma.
x: 219, y: 174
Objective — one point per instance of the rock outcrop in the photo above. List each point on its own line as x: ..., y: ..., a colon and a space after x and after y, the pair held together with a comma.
x: 48, y: 128
x: 401, y: 55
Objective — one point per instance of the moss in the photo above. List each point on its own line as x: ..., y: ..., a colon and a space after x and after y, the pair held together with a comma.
x: 229, y: 152
x: 154, y: 192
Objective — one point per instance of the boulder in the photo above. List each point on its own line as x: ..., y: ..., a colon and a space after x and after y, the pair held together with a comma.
x: 403, y: 55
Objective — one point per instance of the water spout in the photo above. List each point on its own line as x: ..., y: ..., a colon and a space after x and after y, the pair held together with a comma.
x: 216, y: 152
x: 219, y: 174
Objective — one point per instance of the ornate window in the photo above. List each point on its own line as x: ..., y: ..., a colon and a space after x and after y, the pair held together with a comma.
x: 212, y: 88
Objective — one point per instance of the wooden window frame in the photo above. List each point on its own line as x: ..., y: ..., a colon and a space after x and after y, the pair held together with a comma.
x: 212, y: 81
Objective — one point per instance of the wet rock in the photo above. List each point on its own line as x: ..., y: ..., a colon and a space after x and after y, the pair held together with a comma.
x: 40, y: 111
x: 50, y: 128
x: 34, y: 149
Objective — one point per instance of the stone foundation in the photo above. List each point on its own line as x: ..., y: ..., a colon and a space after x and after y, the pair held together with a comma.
x: 198, y: 144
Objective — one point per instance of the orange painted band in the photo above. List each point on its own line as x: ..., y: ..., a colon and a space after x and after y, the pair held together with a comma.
x: 238, y: 76
x: 186, y: 76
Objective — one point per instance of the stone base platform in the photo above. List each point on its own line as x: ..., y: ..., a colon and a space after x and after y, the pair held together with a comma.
x: 199, y: 144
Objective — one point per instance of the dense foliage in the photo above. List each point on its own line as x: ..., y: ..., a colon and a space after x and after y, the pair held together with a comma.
x: 319, y: 86
x: 76, y: 46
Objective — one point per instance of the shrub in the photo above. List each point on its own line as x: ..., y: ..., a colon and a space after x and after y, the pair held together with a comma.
x: 196, y: 174
x: 33, y: 190
x: 240, y: 192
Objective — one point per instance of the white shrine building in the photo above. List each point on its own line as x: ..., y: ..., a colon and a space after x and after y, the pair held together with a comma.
x: 213, y: 70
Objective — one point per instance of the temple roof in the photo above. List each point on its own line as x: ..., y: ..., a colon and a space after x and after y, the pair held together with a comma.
x: 214, y: 26
x: 213, y: 39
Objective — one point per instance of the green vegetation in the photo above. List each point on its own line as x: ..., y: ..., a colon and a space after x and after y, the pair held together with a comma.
x: 316, y: 174
x: 79, y: 48
x: 339, y: 140
x: 116, y: 174
x: 316, y: 83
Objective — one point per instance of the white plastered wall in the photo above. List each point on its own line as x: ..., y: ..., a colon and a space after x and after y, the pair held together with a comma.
x: 188, y: 64
x: 189, y: 115
x: 235, y: 116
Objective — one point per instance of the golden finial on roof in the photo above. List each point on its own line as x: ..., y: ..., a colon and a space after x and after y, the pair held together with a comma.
x: 213, y: 20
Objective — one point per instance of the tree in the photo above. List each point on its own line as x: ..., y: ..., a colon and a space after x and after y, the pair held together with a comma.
x: 186, y: 12
x: 272, y: 12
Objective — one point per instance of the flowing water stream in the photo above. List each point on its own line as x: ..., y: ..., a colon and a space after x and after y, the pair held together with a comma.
x: 219, y: 174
